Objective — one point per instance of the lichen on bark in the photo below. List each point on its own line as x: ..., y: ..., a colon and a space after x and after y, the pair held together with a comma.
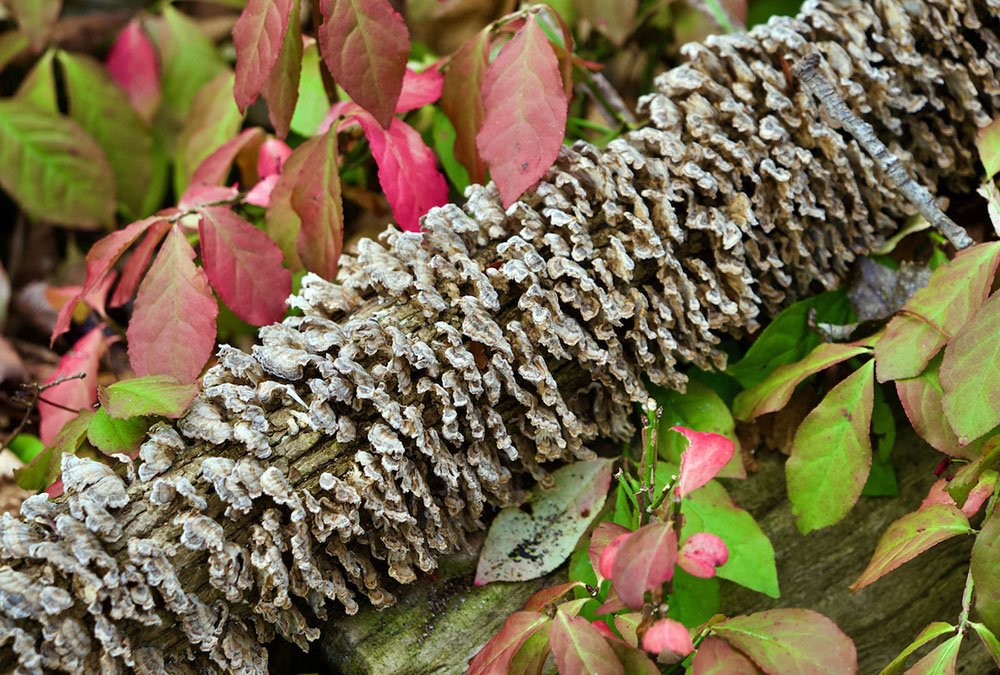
x: 362, y: 440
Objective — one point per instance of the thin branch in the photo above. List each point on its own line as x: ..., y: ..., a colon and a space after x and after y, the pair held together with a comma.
x: 808, y: 72
x: 34, y: 395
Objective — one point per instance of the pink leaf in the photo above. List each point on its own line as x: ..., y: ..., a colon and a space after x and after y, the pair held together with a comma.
x: 244, y: 266
x: 203, y: 195
x: 281, y: 90
x: 172, y: 330
x: 643, y: 562
x: 605, y: 630
x: 407, y: 171
x: 365, y: 45
x: 525, y: 106
x: 132, y: 64
x: 100, y: 258
x: 938, y: 494
x: 260, y: 194
x: 668, y: 635
x: 419, y: 89
x: 701, y: 554
x: 214, y: 169
x: 716, y: 657
x: 258, y: 36
x: 495, y: 656
x: 83, y: 357
x: 612, y: 604
x: 705, y: 456
x: 606, y: 561
x: 548, y: 596
x: 271, y: 157
x: 137, y: 263
x: 462, y: 101
x: 579, y: 648
x: 603, y: 535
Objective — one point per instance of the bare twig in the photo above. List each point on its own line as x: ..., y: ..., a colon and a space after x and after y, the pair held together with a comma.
x: 807, y: 71
x: 616, y: 105
x: 34, y: 394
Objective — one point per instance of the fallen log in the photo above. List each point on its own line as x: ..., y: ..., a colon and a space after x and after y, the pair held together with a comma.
x: 363, y: 440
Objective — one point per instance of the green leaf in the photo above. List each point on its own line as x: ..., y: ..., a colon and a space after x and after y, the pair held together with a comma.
x: 751, y: 556
x: 788, y: 338
x: 12, y: 43
x: 985, y: 568
x: 52, y: 168
x: 313, y: 104
x: 791, y: 641
x: 26, y: 447
x: 988, y: 144
x: 112, y: 436
x: 36, y: 18
x: 774, y: 392
x: 213, y: 120
x: 46, y: 468
x: 968, y: 476
x: 832, y: 453
x: 953, y: 294
x: 882, y: 478
x: 496, y: 655
x: 614, y: 18
x: 149, y: 395
x: 700, y: 409
x: 941, y: 661
x: 921, y: 399
x: 970, y: 374
x: 930, y: 632
x: 444, y: 145
x: 694, y: 600
x: 520, y: 546
x: 39, y: 86
x: 103, y: 110
x: 531, y: 656
x: 989, y: 640
x: 910, y: 536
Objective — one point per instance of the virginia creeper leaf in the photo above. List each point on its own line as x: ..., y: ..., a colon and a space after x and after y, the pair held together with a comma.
x: 46, y: 466
x: 495, y: 656
x: 52, y: 168
x: 419, y: 89
x: 112, y: 436
x: 214, y: 169
x: 365, y: 45
x: 99, y: 106
x: 151, y: 395
x: 985, y: 567
x: 137, y: 263
x: 910, y: 536
x: 645, y: 560
x: 953, y: 294
x: 462, y: 101
x: 667, y: 635
x: 525, y: 112
x: 244, y: 266
x: 172, y: 330
x: 407, y: 171
x: 751, y: 556
x: 717, y: 657
x: 36, y: 18
x: 131, y: 62
x: 39, y: 86
x: 213, y: 120
x: 931, y: 631
x: 989, y: 641
x: 281, y: 89
x: 941, y: 660
x: 520, y: 546
x: 613, y: 18
x: 83, y: 357
x: 774, y: 392
x: 704, y: 457
x: 832, y: 453
x: 970, y: 374
x: 791, y: 641
x: 578, y: 647
x: 701, y: 554
x: 258, y: 36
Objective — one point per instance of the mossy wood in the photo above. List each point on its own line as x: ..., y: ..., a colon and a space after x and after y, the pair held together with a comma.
x: 362, y: 441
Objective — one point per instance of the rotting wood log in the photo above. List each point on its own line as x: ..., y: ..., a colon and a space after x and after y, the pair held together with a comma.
x: 361, y: 441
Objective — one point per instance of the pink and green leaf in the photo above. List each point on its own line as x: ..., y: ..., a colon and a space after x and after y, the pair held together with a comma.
x: 989, y: 641
x: 150, y: 395
x: 36, y: 19
x: 717, y: 657
x: 579, y: 648
x: 667, y: 635
x: 985, y: 569
x: 603, y: 535
x: 701, y: 553
x: 78, y: 394
x: 281, y: 89
x: 549, y: 596
x: 419, y: 89
x: 921, y: 398
x: 213, y: 120
x: 941, y: 660
x: 645, y: 560
x: 496, y: 655
x: 462, y: 101
x: 707, y: 453
x: 258, y: 36
x: 931, y: 631
x: 137, y: 263
x: 214, y: 169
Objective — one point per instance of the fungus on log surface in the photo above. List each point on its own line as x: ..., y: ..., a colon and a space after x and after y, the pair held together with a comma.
x: 361, y: 441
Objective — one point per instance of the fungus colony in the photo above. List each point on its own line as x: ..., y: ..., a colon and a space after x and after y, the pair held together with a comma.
x: 361, y: 441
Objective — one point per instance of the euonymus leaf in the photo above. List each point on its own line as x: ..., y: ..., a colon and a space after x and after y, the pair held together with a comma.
x: 112, y: 436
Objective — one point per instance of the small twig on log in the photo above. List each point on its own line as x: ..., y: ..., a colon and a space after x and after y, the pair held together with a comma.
x: 616, y: 105
x: 807, y: 71
x: 34, y: 395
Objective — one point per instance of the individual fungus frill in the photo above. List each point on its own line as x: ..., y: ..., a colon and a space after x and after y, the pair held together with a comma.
x: 447, y: 370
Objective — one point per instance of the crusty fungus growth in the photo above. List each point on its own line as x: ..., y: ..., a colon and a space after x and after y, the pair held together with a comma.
x: 362, y: 440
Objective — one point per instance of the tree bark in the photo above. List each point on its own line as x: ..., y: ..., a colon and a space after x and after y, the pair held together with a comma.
x: 362, y: 441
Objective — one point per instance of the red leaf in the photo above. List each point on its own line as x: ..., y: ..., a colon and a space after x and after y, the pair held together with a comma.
x: 716, y: 657
x: 214, y: 169
x: 173, y: 328
x: 701, y: 554
x: 606, y: 561
x: 204, y: 195
x: 260, y: 194
x: 525, y: 107
x: 258, y: 36
x: 495, y: 656
x: 271, y: 157
x: 644, y: 561
x: 603, y: 535
x: 605, y: 630
x: 922, y: 402
x: 281, y: 90
x: 305, y: 216
x: 668, y: 635
x: 83, y: 357
x: 100, y: 258
x: 132, y: 64
x: 938, y: 494
x: 548, y: 596
x: 365, y: 45
x: 612, y: 604
x: 462, y: 101
x: 407, y: 171
x: 419, y: 89
x: 137, y: 263
x: 580, y: 648
x: 244, y: 266
x: 705, y: 456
